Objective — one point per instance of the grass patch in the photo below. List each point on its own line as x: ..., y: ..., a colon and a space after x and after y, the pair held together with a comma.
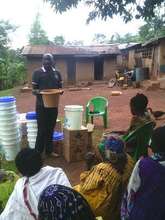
x: 6, y: 165
x: 7, y: 92
x: 11, y: 92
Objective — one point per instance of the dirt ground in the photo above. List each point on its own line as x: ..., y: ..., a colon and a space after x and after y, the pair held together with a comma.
x: 119, y: 114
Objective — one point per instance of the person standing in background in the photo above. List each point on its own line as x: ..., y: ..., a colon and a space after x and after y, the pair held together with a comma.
x: 46, y: 77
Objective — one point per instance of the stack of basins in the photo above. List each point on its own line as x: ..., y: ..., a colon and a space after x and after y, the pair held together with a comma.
x: 31, y: 128
x: 9, y: 127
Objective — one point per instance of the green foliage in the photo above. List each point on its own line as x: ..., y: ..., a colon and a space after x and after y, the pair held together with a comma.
x: 127, y: 38
x: 12, y: 68
x: 59, y: 40
x: 37, y: 34
x: 127, y: 9
x: 5, y: 29
x: 99, y: 38
x: 153, y: 28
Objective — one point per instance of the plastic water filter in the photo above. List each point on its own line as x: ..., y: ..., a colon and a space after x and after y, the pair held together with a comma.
x: 31, y: 128
x: 73, y: 117
x: 9, y: 127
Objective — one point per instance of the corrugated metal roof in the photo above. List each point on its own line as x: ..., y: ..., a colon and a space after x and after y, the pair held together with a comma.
x: 70, y: 50
x: 153, y: 41
x: 128, y: 45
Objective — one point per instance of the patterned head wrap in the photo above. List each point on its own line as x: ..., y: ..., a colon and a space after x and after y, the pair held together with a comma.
x: 115, y: 144
x: 59, y: 202
x: 112, y: 148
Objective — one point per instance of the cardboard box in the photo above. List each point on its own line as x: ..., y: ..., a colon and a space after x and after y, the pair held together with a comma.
x: 75, y: 144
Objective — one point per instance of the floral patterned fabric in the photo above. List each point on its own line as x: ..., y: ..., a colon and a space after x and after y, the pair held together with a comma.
x: 59, y: 202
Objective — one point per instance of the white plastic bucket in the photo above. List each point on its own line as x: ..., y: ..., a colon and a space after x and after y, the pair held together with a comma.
x: 8, y: 113
x: 8, y: 108
x: 13, y: 134
x: 8, y: 127
x: 6, y: 143
x: 32, y: 124
x: 9, y: 119
x: 10, y: 152
x: 31, y: 128
x: 32, y: 145
x: 73, y: 117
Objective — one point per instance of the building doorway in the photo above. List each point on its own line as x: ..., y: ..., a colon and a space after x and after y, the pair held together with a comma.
x: 98, y: 68
x: 71, y: 70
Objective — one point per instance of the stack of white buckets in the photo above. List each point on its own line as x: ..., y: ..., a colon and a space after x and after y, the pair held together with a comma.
x: 73, y: 117
x: 31, y: 128
x: 9, y: 127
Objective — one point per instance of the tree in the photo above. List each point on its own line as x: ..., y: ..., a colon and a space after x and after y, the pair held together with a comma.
x: 127, y: 9
x: 153, y: 28
x: 99, y: 38
x: 59, y: 40
x: 5, y: 29
x: 12, y: 68
x: 127, y: 38
x: 37, y: 34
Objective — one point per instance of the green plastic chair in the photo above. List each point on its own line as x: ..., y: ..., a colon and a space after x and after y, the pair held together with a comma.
x: 100, y: 108
x: 141, y: 136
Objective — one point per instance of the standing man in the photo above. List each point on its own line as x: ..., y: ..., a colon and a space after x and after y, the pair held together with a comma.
x: 47, y: 77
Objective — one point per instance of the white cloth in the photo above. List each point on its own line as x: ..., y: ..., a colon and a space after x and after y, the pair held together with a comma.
x: 16, y: 209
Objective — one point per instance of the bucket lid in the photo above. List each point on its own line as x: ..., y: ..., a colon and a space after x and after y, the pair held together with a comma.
x: 7, y: 99
x: 31, y: 115
x: 58, y: 136
x: 74, y: 107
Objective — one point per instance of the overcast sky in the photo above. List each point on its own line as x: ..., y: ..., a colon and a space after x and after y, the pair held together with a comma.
x: 72, y: 24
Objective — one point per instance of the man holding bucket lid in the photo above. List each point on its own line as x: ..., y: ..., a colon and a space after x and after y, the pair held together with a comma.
x: 47, y: 77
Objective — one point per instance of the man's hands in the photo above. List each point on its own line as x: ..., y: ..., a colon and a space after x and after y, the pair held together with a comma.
x: 36, y: 91
x: 62, y: 92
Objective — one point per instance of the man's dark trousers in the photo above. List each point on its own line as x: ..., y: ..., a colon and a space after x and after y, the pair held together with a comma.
x: 46, y: 121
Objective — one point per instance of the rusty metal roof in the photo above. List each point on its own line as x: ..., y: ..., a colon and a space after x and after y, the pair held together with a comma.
x: 70, y: 50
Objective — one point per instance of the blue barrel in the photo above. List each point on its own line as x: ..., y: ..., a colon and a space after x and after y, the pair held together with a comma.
x: 141, y: 74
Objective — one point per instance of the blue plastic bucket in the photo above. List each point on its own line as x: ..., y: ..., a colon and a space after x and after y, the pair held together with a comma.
x: 7, y: 102
x: 31, y: 116
x: 7, y: 99
x: 58, y: 136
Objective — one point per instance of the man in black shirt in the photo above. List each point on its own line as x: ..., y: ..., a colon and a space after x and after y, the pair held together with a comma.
x: 45, y: 78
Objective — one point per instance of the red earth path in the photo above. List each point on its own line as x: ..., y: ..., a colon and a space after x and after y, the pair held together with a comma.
x: 119, y: 113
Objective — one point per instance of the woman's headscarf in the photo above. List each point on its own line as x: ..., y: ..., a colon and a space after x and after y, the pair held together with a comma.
x: 112, y: 150
x: 59, y: 202
x: 112, y: 147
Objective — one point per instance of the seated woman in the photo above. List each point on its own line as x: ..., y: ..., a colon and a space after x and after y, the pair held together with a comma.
x: 145, y: 195
x: 7, y: 183
x: 140, y: 115
x: 23, y: 202
x: 103, y: 185
x: 59, y: 202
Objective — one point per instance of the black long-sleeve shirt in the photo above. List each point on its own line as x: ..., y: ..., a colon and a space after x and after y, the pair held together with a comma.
x: 42, y: 79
